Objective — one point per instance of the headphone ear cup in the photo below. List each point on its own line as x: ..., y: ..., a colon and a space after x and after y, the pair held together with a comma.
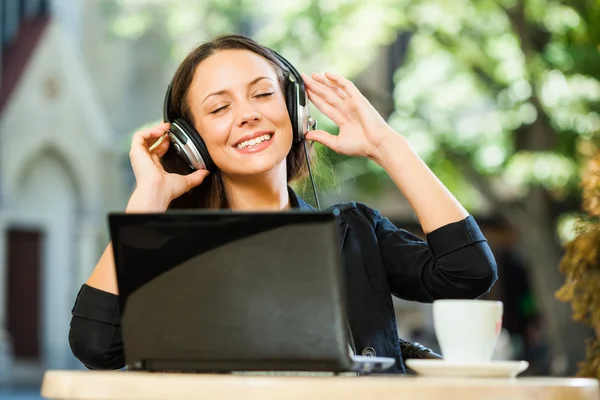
x: 194, y: 142
x: 291, y: 99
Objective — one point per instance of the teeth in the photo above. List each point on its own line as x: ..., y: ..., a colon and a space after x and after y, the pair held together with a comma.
x: 254, y: 141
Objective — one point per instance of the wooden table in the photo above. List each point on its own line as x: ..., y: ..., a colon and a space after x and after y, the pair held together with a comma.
x: 140, y: 385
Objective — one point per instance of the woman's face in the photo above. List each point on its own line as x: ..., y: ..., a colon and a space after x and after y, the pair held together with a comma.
x: 240, y: 111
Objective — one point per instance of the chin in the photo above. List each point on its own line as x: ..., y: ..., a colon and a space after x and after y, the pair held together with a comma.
x: 261, y: 168
x: 258, y: 166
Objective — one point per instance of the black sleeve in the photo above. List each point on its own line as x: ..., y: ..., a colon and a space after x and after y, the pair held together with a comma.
x: 95, y: 331
x: 455, y: 261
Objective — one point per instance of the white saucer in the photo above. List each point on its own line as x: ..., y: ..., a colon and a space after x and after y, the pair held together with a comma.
x: 445, y: 369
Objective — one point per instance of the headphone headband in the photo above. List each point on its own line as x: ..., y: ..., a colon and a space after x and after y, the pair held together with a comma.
x: 167, y: 104
x: 296, y: 75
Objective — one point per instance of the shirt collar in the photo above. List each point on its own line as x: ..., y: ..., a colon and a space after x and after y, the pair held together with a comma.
x: 297, y: 201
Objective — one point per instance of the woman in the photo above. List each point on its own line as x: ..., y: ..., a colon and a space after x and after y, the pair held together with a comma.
x: 233, y: 90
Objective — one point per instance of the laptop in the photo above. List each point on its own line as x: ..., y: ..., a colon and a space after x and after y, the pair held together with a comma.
x: 223, y: 291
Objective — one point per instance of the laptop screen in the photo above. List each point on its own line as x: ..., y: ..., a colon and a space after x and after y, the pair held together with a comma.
x: 225, y: 290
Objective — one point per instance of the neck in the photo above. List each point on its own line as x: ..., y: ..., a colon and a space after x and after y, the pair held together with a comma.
x: 265, y: 192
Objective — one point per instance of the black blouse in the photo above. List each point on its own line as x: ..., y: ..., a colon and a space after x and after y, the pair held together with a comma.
x: 379, y: 261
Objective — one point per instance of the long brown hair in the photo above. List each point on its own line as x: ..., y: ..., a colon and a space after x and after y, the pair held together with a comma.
x: 211, y: 193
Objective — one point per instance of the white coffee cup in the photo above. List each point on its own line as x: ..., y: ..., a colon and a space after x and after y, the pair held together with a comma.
x: 467, y: 330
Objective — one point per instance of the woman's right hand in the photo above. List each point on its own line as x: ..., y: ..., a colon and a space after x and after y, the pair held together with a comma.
x: 156, y: 188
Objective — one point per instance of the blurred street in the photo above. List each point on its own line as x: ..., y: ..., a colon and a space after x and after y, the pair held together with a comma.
x: 20, y: 394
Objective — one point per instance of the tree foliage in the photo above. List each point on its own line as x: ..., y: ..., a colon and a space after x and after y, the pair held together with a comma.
x: 581, y: 266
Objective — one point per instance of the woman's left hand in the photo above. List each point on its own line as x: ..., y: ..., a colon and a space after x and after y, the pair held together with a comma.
x: 362, y: 129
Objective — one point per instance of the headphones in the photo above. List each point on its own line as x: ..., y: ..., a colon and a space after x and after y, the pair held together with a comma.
x: 189, y: 144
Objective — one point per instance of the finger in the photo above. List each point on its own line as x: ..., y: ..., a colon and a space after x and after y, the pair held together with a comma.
x: 336, y: 87
x: 160, y: 148
x: 195, y: 178
x: 141, y: 160
x: 162, y: 128
x: 325, y: 93
x: 140, y: 143
x: 148, y: 137
x: 360, y: 103
x: 344, y: 83
x: 325, y: 138
x: 334, y: 114
x: 153, y: 141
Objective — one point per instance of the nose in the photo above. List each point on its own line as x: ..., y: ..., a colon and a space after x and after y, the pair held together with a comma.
x: 248, y: 115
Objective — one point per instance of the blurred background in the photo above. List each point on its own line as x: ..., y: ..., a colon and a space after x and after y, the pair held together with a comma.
x: 499, y: 97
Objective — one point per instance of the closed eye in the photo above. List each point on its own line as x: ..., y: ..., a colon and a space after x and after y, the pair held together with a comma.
x: 260, y: 96
x: 218, y: 110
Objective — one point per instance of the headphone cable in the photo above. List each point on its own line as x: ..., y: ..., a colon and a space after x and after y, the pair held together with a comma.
x: 312, y: 180
x: 351, y: 343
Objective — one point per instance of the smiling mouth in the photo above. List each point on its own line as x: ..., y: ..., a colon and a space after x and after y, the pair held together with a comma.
x: 246, y: 144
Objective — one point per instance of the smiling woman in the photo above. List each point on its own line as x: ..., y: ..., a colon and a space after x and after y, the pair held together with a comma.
x: 237, y: 130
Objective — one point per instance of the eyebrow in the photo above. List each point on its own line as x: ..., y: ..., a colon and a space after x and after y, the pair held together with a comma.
x: 252, y: 82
